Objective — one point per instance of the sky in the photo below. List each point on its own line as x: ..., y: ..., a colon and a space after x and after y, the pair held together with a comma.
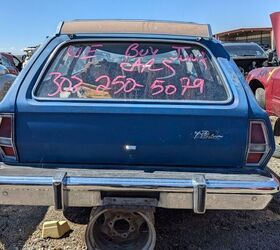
x: 28, y: 22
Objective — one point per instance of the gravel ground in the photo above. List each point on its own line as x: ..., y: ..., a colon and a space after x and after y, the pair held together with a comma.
x: 20, y: 228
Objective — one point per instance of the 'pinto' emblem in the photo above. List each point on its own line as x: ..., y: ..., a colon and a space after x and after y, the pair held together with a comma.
x: 207, y: 135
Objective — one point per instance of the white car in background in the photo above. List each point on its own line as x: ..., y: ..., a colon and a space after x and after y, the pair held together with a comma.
x: 29, y: 51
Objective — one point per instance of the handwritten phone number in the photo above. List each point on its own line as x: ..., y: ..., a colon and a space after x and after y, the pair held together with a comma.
x: 122, y: 84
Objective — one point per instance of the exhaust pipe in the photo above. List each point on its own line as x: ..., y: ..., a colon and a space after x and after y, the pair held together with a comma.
x: 275, y: 20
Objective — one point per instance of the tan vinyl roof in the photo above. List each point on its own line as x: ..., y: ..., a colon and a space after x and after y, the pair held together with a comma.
x: 135, y: 26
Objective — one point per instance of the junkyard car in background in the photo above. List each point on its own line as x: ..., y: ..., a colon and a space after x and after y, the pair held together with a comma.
x: 29, y: 52
x: 247, y: 56
x: 11, y: 62
x: 6, y: 81
x: 265, y: 82
x: 272, y: 58
x: 126, y: 116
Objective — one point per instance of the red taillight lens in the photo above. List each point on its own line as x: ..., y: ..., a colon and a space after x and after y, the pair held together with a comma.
x: 6, y: 127
x: 7, y: 148
x: 258, y: 146
x: 257, y: 133
x: 8, y: 151
x: 254, y: 157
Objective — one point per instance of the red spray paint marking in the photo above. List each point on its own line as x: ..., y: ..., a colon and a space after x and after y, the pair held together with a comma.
x: 89, y: 54
x: 170, y: 89
x: 189, y: 58
x: 124, y: 85
x: 121, y: 81
x: 186, y: 84
x: 60, y: 82
x: 141, y: 67
x: 166, y: 63
x: 203, y: 59
x: 134, y: 85
x: 157, y: 84
x: 72, y: 53
x: 127, y: 85
x: 75, y: 88
x: 133, y: 51
x: 103, y: 87
x: 124, y: 82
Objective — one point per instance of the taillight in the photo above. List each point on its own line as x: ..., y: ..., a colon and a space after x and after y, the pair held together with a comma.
x: 258, y: 147
x: 7, y: 147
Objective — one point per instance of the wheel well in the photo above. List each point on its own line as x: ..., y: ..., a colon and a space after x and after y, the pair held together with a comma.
x: 255, y: 84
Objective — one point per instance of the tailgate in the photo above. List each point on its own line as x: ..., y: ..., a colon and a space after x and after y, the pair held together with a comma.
x: 121, y: 103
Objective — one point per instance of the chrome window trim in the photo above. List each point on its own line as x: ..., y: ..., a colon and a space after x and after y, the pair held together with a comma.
x: 94, y: 39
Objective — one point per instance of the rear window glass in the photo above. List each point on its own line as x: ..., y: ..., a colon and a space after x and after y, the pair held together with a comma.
x: 132, y: 71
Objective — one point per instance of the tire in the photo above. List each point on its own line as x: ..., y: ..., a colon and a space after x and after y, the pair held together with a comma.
x: 260, y: 97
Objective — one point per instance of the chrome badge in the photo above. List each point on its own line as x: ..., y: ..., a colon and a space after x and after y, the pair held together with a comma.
x: 207, y: 135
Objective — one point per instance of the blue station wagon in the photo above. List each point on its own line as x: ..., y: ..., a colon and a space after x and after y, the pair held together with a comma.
x: 125, y: 116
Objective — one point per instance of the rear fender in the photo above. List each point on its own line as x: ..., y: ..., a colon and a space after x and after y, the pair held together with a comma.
x: 255, y: 111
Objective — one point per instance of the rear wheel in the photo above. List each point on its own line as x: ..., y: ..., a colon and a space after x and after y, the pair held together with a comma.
x: 120, y: 228
x: 260, y: 97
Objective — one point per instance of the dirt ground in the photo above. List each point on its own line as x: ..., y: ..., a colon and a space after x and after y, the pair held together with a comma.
x: 20, y: 228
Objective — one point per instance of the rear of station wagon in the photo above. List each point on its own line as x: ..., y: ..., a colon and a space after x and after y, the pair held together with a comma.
x: 131, y: 115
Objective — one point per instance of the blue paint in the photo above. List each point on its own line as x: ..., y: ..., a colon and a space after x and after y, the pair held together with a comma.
x: 55, y: 133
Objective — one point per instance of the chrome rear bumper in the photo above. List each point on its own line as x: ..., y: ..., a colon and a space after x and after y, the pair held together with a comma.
x: 177, y: 190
